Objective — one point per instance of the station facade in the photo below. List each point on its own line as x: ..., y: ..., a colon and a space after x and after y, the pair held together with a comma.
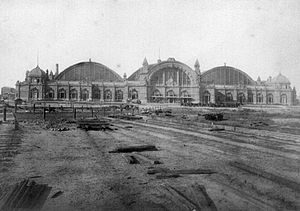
x: 167, y: 81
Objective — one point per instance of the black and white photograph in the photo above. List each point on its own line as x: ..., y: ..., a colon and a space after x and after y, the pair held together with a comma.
x: 149, y: 105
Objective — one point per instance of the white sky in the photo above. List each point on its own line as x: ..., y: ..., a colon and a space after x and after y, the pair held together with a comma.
x: 260, y: 37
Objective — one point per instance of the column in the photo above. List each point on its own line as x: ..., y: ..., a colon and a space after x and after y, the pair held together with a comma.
x: 102, y: 93
x: 125, y: 93
x: 113, y: 94
x: 254, y: 97
x: 234, y: 95
x: 90, y: 92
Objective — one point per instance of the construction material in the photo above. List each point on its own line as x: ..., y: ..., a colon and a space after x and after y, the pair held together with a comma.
x: 180, y: 171
x: 216, y: 129
x: 259, y: 172
x: 134, y: 149
x: 26, y: 195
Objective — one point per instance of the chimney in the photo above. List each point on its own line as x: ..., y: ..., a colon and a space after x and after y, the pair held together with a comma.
x: 57, y: 70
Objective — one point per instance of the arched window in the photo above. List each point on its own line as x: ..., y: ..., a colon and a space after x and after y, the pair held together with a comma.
x: 85, y: 95
x: 269, y: 99
x: 241, y: 97
x: 134, y: 94
x: 259, y: 98
x: 62, y: 94
x: 96, y: 93
x: 51, y: 93
x: 156, y: 93
x: 107, y: 95
x: 34, y: 94
x: 250, y: 98
x: 186, y: 81
x: 229, y: 97
x: 185, y: 94
x: 283, y: 99
x: 171, y: 96
x: 73, y: 94
x: 206, y: 97
x: 119, y: 96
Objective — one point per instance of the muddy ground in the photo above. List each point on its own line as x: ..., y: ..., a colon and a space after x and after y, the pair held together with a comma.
x: 257, y: 165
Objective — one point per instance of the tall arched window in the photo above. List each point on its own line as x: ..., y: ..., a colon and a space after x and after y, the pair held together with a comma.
x: 259, y: 98
x: 206, y: 97
x: 229, y: 97
x: 50, y: 93
x: 171, y: 96
x: 241, y: 97
x: 283, y: 99
x: 269, y: 99
x: 85, y: 94
x: 96, y: 93
x: 107, y: 95
x: 62, y: 93
x: 73, y: 94
x: 134, y: 94
x: 119, y: 96
x: 34, y: 94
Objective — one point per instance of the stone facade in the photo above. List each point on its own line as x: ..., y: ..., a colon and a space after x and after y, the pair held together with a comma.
x: 167, y: 81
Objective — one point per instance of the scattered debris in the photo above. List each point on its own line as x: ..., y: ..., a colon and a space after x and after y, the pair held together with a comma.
x: 26, y: 195
x: 213, y: 116
x: 134, y: 149
x: 131, y: 159
x: 57, y: 194
x: 258, y: 124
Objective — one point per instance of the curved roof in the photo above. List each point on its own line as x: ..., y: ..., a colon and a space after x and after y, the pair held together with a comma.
x: 135, y: 76
x: 226, y: 75
x: 36, y: 72
x: 89, y: 72
x: 281, y: 79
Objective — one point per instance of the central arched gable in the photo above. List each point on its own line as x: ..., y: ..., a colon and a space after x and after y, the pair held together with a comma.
x: 89, y: 71
x: 167, y: 65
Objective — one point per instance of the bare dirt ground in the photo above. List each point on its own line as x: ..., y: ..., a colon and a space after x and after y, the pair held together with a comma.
x: 257, y: 168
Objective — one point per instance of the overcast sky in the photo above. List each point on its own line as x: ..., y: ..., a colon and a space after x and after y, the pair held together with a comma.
x: 259, y: 37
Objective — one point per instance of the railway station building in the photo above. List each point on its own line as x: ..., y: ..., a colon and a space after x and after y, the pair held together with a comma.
x: 168, y: 81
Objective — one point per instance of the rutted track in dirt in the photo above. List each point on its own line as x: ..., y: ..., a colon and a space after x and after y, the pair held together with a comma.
x: 263, y: 144
x: 139, y: 133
